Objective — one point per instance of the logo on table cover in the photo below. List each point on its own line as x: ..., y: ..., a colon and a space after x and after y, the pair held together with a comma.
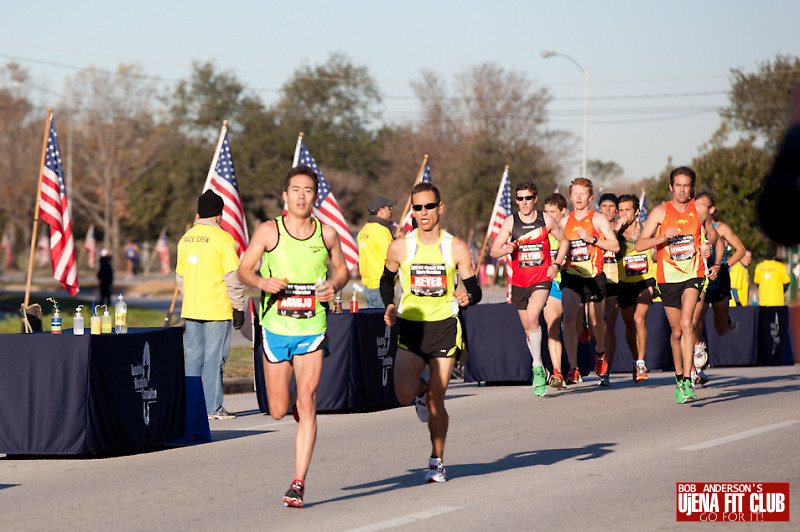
x: 725, y: 502
x: 141, y: 383
x: 387, y: 362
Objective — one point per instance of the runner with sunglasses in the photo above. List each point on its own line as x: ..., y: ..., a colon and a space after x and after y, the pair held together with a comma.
x: 428, y: 330
x: 525, y: 236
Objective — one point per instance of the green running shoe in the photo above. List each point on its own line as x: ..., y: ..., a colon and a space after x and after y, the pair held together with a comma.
x: 539, y: 380
x: 688, y: 390
x: 679, y: 397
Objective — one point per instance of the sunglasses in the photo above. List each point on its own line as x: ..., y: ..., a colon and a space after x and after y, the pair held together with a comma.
x: 427, y: 206
x: 525, y: 198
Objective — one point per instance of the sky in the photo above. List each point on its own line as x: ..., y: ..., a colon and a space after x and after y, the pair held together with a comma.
x: 658, y: 71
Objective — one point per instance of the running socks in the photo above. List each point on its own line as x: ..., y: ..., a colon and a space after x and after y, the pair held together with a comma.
x: 535, y: 346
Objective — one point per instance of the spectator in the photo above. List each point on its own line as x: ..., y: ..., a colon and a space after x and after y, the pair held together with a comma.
x: 772, y: 280
x: 131, y: 259
x: 373, y: 241
x: 740, y: 281
x: 105, y: 274
x: 212, y: 296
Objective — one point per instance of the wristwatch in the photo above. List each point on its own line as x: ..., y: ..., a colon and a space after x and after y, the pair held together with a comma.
x: 594, y: 241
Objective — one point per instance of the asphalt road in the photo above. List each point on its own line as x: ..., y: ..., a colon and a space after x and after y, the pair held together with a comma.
x: 585, y: 458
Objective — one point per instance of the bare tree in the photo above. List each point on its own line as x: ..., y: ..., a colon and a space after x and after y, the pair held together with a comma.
x: 117, y: 140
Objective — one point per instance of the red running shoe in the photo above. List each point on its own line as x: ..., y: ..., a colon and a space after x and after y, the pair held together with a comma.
x: 600, y: 364
x: 574, y: 376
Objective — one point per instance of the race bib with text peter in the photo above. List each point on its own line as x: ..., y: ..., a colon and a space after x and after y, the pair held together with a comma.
x: 531, y: 254
x: 681, y: 247
x: 297, y: 300
x: 578, y: 250
x: 635, y: 264
x: 428, y: 280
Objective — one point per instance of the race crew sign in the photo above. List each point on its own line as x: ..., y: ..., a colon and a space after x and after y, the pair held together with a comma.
x: 726, y: 502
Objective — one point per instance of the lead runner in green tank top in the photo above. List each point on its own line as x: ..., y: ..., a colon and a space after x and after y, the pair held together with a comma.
x: 428, y: 260
x: 293, y: 249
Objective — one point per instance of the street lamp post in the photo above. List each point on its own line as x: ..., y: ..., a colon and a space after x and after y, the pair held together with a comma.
x: 546, y: 54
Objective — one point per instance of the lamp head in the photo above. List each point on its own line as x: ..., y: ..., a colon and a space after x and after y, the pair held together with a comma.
x: 547, y: 53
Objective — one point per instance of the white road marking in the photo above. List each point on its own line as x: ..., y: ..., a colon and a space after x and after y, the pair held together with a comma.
x: 406, y: 519
x: 739, y: 436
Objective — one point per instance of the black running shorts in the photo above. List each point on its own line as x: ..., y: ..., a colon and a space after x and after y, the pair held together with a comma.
x: 591, y: 289
x: 520, y: 295
x: 671, y: 292
x: 430, y: 339
x: 629, y: 292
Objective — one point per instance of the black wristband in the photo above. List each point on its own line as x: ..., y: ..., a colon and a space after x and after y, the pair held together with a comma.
x: 594, y: 242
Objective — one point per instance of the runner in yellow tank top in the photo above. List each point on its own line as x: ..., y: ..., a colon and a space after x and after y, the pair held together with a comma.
x: 428, y: 330
x: 636, y: 283
x: 295, y: 346
x: 678, y: 255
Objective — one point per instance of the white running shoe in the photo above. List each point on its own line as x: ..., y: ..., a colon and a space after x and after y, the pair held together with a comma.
x: 700, y: 355
x: 420, y: 404
x: 436, y: 472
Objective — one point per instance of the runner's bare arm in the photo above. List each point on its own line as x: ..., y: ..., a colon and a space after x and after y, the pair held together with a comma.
x: 558, y: 232
x: 727, y: 234
x: 501, y: 247
x: 609, y: 241
x: 264, y: 238
x: 647, y: 238
x: 463, y: 261
x: 339, y: 278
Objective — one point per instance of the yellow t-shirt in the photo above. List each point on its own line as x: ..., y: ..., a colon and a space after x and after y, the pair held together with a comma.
x: 373, y: 241
x: 206, y: 253
x: 740, y: 285
x: 770, y: 277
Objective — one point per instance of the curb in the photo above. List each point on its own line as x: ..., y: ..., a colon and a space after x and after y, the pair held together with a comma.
x: 238, y: 385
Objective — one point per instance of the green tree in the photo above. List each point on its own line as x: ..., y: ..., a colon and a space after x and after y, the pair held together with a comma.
x: 733, y: 174
x: 602, y: 172
x: 759, y: 101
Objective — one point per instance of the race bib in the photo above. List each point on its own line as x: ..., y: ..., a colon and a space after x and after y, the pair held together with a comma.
x: 531, y: 254
x: 578, y: 250
x: 428, y: 280
x: 681, y: 247
x: 297, y: 300
x: 609, y: 257
x: 635, y: 264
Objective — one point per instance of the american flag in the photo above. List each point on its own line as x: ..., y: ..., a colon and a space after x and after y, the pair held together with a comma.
x: 222, y: 180
x: 90, y: 245
x: 642, y: 208
x: 55, y: 212
x: 326, y: 209
x: 502, y: 206
x: 6, y: 246
x: 162, y: 248
x: 44, y: 248
x: 426, y: 178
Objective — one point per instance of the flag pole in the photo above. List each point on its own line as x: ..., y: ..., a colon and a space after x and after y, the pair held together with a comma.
x: 488, y: 230
x: 36, y: 211
x: 296, y: 156
x: 419, y: 176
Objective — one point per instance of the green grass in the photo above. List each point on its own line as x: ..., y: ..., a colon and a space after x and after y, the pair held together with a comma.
x: 240, y: 362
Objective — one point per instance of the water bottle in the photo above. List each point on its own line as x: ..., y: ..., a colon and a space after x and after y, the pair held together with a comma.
x: 77, y: 321
x: 354, y: 304
x: 337, y: 304
x: 94, y: 321
x: 755, y: 299
x: 55, y: 323
x: 105, y: 322
x: 121, y: 316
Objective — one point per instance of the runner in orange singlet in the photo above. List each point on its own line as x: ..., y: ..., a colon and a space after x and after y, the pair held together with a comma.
x: 674, y: 229
x: 583, y: 281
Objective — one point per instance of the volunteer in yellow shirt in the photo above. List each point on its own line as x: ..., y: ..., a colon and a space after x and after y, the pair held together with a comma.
x: 771, y: 279
x: 373, y: 241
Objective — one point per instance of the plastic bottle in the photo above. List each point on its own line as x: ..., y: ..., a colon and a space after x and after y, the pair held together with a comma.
x: 94, y: 321
x: 755, y: 299
x: 105, y: 321
x: 77, y: 321
x: 55, y: 322
x: 121, y: 316
x: 337, y: 304
x: 354, y: 304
